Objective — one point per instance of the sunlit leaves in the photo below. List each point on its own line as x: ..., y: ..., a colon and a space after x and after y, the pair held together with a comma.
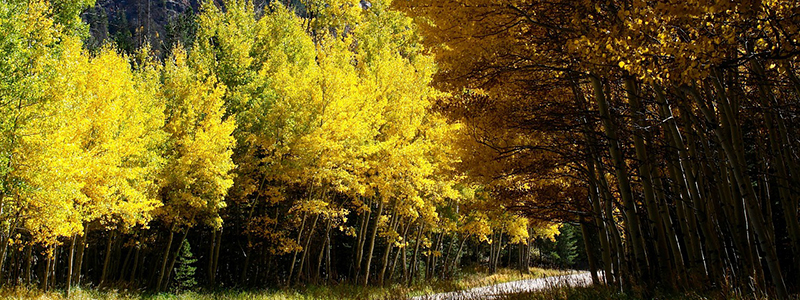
x: 197, y: 175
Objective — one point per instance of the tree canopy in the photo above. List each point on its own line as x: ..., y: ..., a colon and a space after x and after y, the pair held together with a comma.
x: 382, y: 141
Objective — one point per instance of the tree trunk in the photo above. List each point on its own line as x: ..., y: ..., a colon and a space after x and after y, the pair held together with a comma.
x: 447, y: 251
x: 589, y: 251
x: 328, y: 267
x: 294, y: 256
x: 215, y: 267
x: 372, y: 242
x: 28, y: 264
x: 655, y: 228
x: 401, y: 251
x: 81, y: 250
x: 498, y: 249
x: 136, y: 258
x: 323, y: 248
x: 362, y: 239
x: 107, y: 258
x: 165, y: 259
x: 413, y: 268
x: 600, y: 222
x: 69, y: 268
x: 779, y: 145
x: 174, y: 259
x: 735, y: 156
x: 306, y: 247
x: 629, y: 206
x: 594, y: 196
x: 4, y: 249
x: 458, y: 253
x: 46, y: 274
x: 385, y: 260
x: 211, y: 247
x: 126, y: 263
x: 614, y: 236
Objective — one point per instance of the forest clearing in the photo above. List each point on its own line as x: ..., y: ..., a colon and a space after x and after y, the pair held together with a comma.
x: 399, y: 148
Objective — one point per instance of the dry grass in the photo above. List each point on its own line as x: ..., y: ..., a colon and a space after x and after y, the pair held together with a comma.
x: 480, y: 277
x: 603, y: 292
x: 470, y: 279
x: 353, y: 292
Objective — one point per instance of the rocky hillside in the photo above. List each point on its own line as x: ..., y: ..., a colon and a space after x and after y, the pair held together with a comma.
x: 162, y: 23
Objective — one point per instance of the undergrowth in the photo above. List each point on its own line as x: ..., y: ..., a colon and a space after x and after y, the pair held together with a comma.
x: 468, y: 278
x: 604, y: 292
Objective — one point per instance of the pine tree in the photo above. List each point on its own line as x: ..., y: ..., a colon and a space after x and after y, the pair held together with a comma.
x: 184, y: 272
x: 566, y: 246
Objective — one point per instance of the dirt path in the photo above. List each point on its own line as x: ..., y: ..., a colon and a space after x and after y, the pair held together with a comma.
x: 528, y: 285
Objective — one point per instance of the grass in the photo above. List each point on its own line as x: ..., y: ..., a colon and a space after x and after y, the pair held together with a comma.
x: 469, y: 278
x: 604, y: 292
x: 473, y: 278
x: 393, y: 292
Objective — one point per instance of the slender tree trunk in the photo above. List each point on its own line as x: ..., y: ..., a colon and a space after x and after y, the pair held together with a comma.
x: 215, y: 267
x: 306, y: 249
x: 385, y: 263
x: 69, y: 268
x: 372, y: 242
x: 447, y: 254
x: 329, y: 274
x: 294, y: 256
x: 46, y: 274
x: 430, y: 263
x: 126, y: 263
x: 589, y: 251
x: 600, y: 222
x: 675, y: 170
x: 243, y: 278
x: 492, y: 245
x: 136, y: 258
x: 175, y: 254
x: 28, y: 264
x: 323, y: 248
x: 362, y: 239
x: 393, y: 266
x: 107, y: 258
x: 458, y: 253
x: 672, y: 238
x: 756, y: 220
x: 414, y: 264
x: 405, y: 264
x: 385, y: 260
x: 54, y: 266
x: 632, y: 218
x: 400, y: 249
x: 655, y: 228
x: 165, y: 259
x: 211, y: 247
x: 616, y: 241
x: 498, y: 249
x: 4, y: 248
x: 81, y: 250
x: 779, y: 145
x: 594, y: 197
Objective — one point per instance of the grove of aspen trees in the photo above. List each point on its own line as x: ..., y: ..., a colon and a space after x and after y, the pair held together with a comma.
x: 396, y: 141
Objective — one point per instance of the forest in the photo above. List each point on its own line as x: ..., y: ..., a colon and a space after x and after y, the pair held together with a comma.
x: 269, y: 144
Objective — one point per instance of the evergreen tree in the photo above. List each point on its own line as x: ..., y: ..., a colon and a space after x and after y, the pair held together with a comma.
x: 184, y: 272
x: 566, y: 245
